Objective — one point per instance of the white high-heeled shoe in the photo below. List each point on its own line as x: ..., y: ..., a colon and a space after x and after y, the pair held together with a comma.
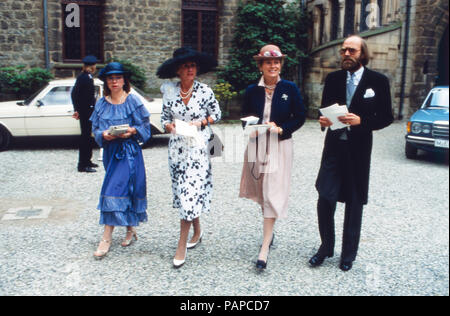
x: 127, y: 242
x: 179, y: 263
x: 193, y: 245
x: 100, y: 254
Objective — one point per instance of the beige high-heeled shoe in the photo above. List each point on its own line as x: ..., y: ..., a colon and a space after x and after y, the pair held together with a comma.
x: 128, y: 242
x: 100, y: 254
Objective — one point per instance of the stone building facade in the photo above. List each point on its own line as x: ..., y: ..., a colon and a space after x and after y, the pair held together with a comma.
x: 408, y: 41
x: 408, y: 38
x: 145, y: 32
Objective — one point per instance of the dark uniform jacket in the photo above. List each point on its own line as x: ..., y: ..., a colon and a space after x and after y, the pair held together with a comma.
x: 375, y: 110
x: 83, y: 95
x: 288, y: 110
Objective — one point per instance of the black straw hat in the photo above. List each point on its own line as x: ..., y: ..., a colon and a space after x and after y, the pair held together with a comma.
x: 169, y: 68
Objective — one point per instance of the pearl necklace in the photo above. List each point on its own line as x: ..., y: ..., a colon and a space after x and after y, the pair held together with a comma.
x: 185, y: 95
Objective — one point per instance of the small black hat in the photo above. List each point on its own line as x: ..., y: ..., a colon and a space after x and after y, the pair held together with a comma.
x: 90, y: 60
x: 169, y: 68
x: 112, y: 68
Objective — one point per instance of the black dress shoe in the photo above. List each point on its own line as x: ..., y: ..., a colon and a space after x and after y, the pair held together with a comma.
x: 87, y: 169
x: 318, y: 259
x: 261, y: 265
x: 346, y: 266
x: 92, y: 165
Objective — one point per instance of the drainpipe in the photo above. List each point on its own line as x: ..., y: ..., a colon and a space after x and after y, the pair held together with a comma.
x: 47, y: 56
x: 405, y: 60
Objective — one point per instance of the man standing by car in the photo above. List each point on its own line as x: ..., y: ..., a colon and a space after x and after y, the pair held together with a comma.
x: 345, y: 168
x: 83, y: 99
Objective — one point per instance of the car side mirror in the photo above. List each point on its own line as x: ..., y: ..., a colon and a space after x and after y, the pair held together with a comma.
x: 20, y: 103
x: 39, y: 103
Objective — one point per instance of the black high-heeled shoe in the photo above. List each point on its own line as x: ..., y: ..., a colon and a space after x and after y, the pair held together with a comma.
x: 261, y: 264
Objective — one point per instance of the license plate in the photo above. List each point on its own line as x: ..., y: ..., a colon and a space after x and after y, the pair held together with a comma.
x: 442, y: 143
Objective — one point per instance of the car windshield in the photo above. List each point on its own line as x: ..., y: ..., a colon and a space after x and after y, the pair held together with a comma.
x: 29, y: 99
x: 438, y: 98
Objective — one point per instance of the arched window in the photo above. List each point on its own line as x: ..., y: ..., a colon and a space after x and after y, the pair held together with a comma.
x: 334, y: 25
x: 349, y: 23
x: 365, y: 11
x: 200, y: 25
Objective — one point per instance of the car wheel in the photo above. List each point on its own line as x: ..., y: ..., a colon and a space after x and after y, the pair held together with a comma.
x: 410, y: 151
x: 5, y: 138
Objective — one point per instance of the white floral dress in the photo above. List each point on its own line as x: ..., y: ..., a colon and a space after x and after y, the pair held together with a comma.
x: 189, y: 162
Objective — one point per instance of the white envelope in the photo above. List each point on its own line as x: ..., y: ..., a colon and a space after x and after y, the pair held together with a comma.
x: 184, y: 129
x: 369, y: 93
x: 333, y: 112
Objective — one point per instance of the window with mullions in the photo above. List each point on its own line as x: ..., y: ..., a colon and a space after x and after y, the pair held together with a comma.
x: 82, y: 29
x: 200, y: 25
x: 349, y: 23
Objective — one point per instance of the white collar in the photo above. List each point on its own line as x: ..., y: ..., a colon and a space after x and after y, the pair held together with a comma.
x: 261, y: 82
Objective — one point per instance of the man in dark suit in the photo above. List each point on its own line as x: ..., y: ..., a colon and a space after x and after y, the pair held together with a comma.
x: 345, y: 167
x: 83, y: 99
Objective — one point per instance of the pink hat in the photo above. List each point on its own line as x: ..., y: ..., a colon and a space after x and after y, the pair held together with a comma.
x: 269, y: 52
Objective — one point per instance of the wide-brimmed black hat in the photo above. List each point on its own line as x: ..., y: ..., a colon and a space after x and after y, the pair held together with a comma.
x: 111, y: 69
x: 169, y: 68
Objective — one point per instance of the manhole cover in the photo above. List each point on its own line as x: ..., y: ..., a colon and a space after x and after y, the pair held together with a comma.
x: 26, y: 212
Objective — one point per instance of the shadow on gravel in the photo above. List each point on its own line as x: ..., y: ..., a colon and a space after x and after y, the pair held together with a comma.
x: 70, y: 142
x: 432, y: 158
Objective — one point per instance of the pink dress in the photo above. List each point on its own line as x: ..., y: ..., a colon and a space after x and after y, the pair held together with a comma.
x: 266, y: 177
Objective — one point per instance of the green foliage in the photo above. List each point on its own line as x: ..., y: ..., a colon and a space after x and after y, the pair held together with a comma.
x: 223, y: 92
x: 262, y: 22
x: 138, y: 77
x: 23, y: 82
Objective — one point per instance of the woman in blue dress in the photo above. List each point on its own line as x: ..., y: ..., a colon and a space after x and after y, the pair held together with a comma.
x: 123, y: 198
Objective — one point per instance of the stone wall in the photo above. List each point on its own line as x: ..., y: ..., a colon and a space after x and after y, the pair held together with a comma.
x: 21, y: 40
x: 146, y: 32
x: 384, y: 49
x: 429, y: 19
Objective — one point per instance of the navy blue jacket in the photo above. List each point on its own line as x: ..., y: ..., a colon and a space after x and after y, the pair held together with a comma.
x: 288, y: 110
x: 83, y: 95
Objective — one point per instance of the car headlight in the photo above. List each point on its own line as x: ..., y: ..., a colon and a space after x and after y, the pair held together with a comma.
x: 416, y: 128
x: 426, y: 129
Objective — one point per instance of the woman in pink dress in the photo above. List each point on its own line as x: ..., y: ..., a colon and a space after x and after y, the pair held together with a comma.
x: 266, y: 174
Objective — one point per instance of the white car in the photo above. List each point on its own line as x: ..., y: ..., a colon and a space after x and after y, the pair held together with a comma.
x: 49, y: 113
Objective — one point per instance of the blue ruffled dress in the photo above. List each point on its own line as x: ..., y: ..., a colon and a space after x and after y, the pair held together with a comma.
x: 123, y: 198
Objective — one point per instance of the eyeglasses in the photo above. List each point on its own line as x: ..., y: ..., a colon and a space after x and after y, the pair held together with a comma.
x: 352, y: 51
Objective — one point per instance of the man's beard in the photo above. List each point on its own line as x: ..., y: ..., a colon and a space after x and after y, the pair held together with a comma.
x: 350, y: 64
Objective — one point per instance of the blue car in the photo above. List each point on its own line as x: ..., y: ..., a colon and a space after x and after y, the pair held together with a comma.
x: 428, y: 127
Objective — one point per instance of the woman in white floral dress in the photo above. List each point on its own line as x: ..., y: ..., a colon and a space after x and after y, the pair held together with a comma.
x: 189, y: 162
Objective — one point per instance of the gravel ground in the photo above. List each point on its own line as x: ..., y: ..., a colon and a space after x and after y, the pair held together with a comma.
x: 404, y: 248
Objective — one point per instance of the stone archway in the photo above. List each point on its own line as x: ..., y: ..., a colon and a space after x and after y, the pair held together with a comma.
x: 428, y: 28
x: 443, y: 58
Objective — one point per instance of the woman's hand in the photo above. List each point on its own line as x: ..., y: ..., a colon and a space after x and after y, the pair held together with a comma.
x: 108, y: 136
x: 274, y: 128
x: 130, y: 132
x: 170, y: 127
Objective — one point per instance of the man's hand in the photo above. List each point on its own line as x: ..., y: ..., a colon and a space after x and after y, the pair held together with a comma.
x: 76, y: 115
x: 325, y: 122
x: 350, y: 119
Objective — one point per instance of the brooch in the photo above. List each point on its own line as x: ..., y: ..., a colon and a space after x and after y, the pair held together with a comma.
x: 285, y: 97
